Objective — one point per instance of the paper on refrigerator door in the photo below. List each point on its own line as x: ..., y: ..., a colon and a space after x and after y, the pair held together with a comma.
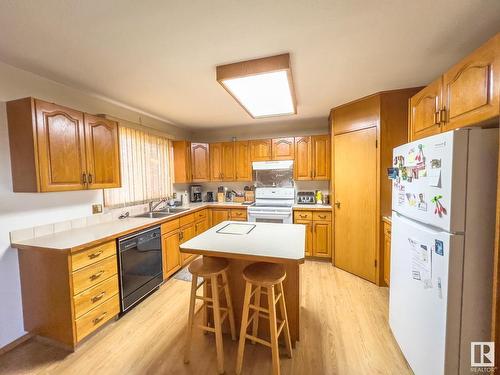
x: 434, y: 177
x: 421, y: 263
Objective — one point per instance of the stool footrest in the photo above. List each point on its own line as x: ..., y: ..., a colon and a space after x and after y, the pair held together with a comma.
x: 258, y: 308
x: 206, y: 328
x: 258, y: 339
x: 280, y: 327
x: 277, y: 298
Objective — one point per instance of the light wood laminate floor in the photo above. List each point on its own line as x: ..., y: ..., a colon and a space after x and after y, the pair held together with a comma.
x: 344, y: 330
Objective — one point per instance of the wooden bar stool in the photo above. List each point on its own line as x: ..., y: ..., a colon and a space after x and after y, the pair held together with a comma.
x: 265, y: 277
x: 210, y: 269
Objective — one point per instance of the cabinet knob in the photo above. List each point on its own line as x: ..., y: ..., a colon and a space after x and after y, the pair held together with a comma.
x: 90, y: 178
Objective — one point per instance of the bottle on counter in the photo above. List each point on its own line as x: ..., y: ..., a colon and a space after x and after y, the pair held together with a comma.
x: 185, y: 199
x: 319, y: 197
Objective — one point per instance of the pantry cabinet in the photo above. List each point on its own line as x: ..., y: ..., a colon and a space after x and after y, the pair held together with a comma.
x: 283, y: 149
x: 55, y: 148
x: 243, y: 164
x: 465, y: 95
x: 200, y: 162
x: 261, y: 150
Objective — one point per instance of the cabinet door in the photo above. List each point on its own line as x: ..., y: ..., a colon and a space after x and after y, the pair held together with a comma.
x: 200, y: 162
x: 322, y: 239
x: 201, y: 226
x: 471, y: 87
x: 424, y: 111
x: 309, y: 236
x: 187, y: 232
x: 260, y: 150
x: 182, y: 161
x: 242, y: 161
x: 61, y: 147
x: 171, y: 253
x: 103, y: 153
x: 219, y: 215
x: 321, y: 157
x: 387, y: 253
x: 303, y: 158
x: 283, y: 149
x: 356, y: 194
x: 216, y: 161
x: 228, y: 173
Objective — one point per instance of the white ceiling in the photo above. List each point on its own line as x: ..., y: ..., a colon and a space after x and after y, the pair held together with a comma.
x: 160, y: 56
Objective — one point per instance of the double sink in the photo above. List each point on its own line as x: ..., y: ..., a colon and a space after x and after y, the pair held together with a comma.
x: 162, y: 213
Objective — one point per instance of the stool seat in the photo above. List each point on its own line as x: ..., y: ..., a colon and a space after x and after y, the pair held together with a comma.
x: 265, y: 274
x: 207, y: 266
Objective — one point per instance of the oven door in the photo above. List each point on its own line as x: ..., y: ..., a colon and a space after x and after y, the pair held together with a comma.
x: 264, y: 216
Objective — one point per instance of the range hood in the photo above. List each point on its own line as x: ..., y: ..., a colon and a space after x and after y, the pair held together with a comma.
x: 272, y: 165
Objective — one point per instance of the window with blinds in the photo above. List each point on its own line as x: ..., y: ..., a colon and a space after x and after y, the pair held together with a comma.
x: 146, y: 165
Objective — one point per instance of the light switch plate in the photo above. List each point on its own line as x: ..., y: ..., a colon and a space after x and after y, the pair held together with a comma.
x: 96, y: 208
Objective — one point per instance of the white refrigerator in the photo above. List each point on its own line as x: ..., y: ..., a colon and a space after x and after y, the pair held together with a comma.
x: 443, y: 223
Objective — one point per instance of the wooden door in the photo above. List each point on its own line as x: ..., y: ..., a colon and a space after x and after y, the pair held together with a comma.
x: 303, y: 158
x: 243, y: 165
x: 219, y: 215
x: 228, y: 173
x: 61, y: 147
x: 103, y: 152
x: 216, y: 161
x: 200, y: 162
x: 171, y: 253
x: 322, y: 239
x: 471, y: 87
x: 186, y: 233
x: 355, y: 202
x: 321, y: 157
x: 424, y: 110
x: 260, y: 150
x: 283, y: 148
x: 387, y: 253
x: 309, y: 236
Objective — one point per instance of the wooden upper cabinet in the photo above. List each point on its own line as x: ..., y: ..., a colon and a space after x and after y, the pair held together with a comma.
x: 283, y: 148
x: 321, y: 157
x: 227, y: 162
x: 261, y: 150
x: 303, y: 158
x: 182, y: 161
x: 424, y: 110
x: 54, y: 148
x: 216, y: 161
x: 471, y: 88
x: 103, y: 153
x: 243, y: 165
x: 200, y: 162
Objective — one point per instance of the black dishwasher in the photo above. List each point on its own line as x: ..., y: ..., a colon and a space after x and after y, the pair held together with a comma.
x: 140, y: 263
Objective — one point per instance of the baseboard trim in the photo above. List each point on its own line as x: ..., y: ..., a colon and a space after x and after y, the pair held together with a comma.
x: 15, y: 343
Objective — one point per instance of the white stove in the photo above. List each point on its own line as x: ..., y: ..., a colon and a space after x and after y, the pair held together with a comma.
x: 272, y: 205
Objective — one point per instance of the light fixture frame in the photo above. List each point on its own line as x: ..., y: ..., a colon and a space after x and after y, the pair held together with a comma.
x: 255, y: 67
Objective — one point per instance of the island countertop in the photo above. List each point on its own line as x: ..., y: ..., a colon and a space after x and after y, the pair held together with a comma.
x: 264, y: 242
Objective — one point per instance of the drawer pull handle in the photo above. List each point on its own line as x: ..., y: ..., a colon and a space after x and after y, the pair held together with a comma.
x: 98, y: 297
x: 322, y: 216
x: 99, y: 318
x: 303, y: 216
x: 95, y: 255
x: 96, y: 275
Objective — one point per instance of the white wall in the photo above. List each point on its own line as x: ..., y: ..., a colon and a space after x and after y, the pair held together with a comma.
x: 22, y: 210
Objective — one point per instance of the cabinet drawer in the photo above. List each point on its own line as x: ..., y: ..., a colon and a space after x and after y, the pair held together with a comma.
x: 169, y: 226
x: 238, y: 214
x: 303, y: 215
x: 186, y: 219
x: 322, y: 215
x: 94, y: 254
x: 95, y: 318
x: 94, y: 274
x: 202, y: 214
x: 90, y: 298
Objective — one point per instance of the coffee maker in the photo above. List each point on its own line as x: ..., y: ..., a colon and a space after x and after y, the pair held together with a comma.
x: 195, y: 193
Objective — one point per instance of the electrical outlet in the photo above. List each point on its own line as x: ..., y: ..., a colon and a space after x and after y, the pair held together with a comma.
x: 96, y: 208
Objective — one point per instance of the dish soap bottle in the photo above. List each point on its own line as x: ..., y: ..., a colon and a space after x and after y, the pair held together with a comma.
x: 319, y: 197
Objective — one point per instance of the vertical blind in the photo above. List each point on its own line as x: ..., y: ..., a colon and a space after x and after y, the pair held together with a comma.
x: 146, y: 163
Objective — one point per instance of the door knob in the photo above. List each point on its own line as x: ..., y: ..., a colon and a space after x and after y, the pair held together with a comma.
x: 337, y: 204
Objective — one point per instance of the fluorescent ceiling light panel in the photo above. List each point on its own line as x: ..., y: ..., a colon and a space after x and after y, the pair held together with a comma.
x: 263, y: 87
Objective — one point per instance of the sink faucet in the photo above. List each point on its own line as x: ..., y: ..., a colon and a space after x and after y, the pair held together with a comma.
x: 153, y: 205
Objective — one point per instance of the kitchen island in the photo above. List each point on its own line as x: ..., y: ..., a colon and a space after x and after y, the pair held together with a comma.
x: 243, y: 243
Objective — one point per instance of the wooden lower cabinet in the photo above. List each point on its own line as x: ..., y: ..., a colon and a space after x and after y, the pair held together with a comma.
x: 218, y: 215
x: 67, y: 296
x: 186, y: 233
x: 171, y: 253
x: 201, y: 226
x: 318, y: 232
x: 387, y: 252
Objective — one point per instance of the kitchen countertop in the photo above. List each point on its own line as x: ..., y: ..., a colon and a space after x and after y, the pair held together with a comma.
x: 259, y: 242
x: 81, y: 238
x: 312, y: 206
